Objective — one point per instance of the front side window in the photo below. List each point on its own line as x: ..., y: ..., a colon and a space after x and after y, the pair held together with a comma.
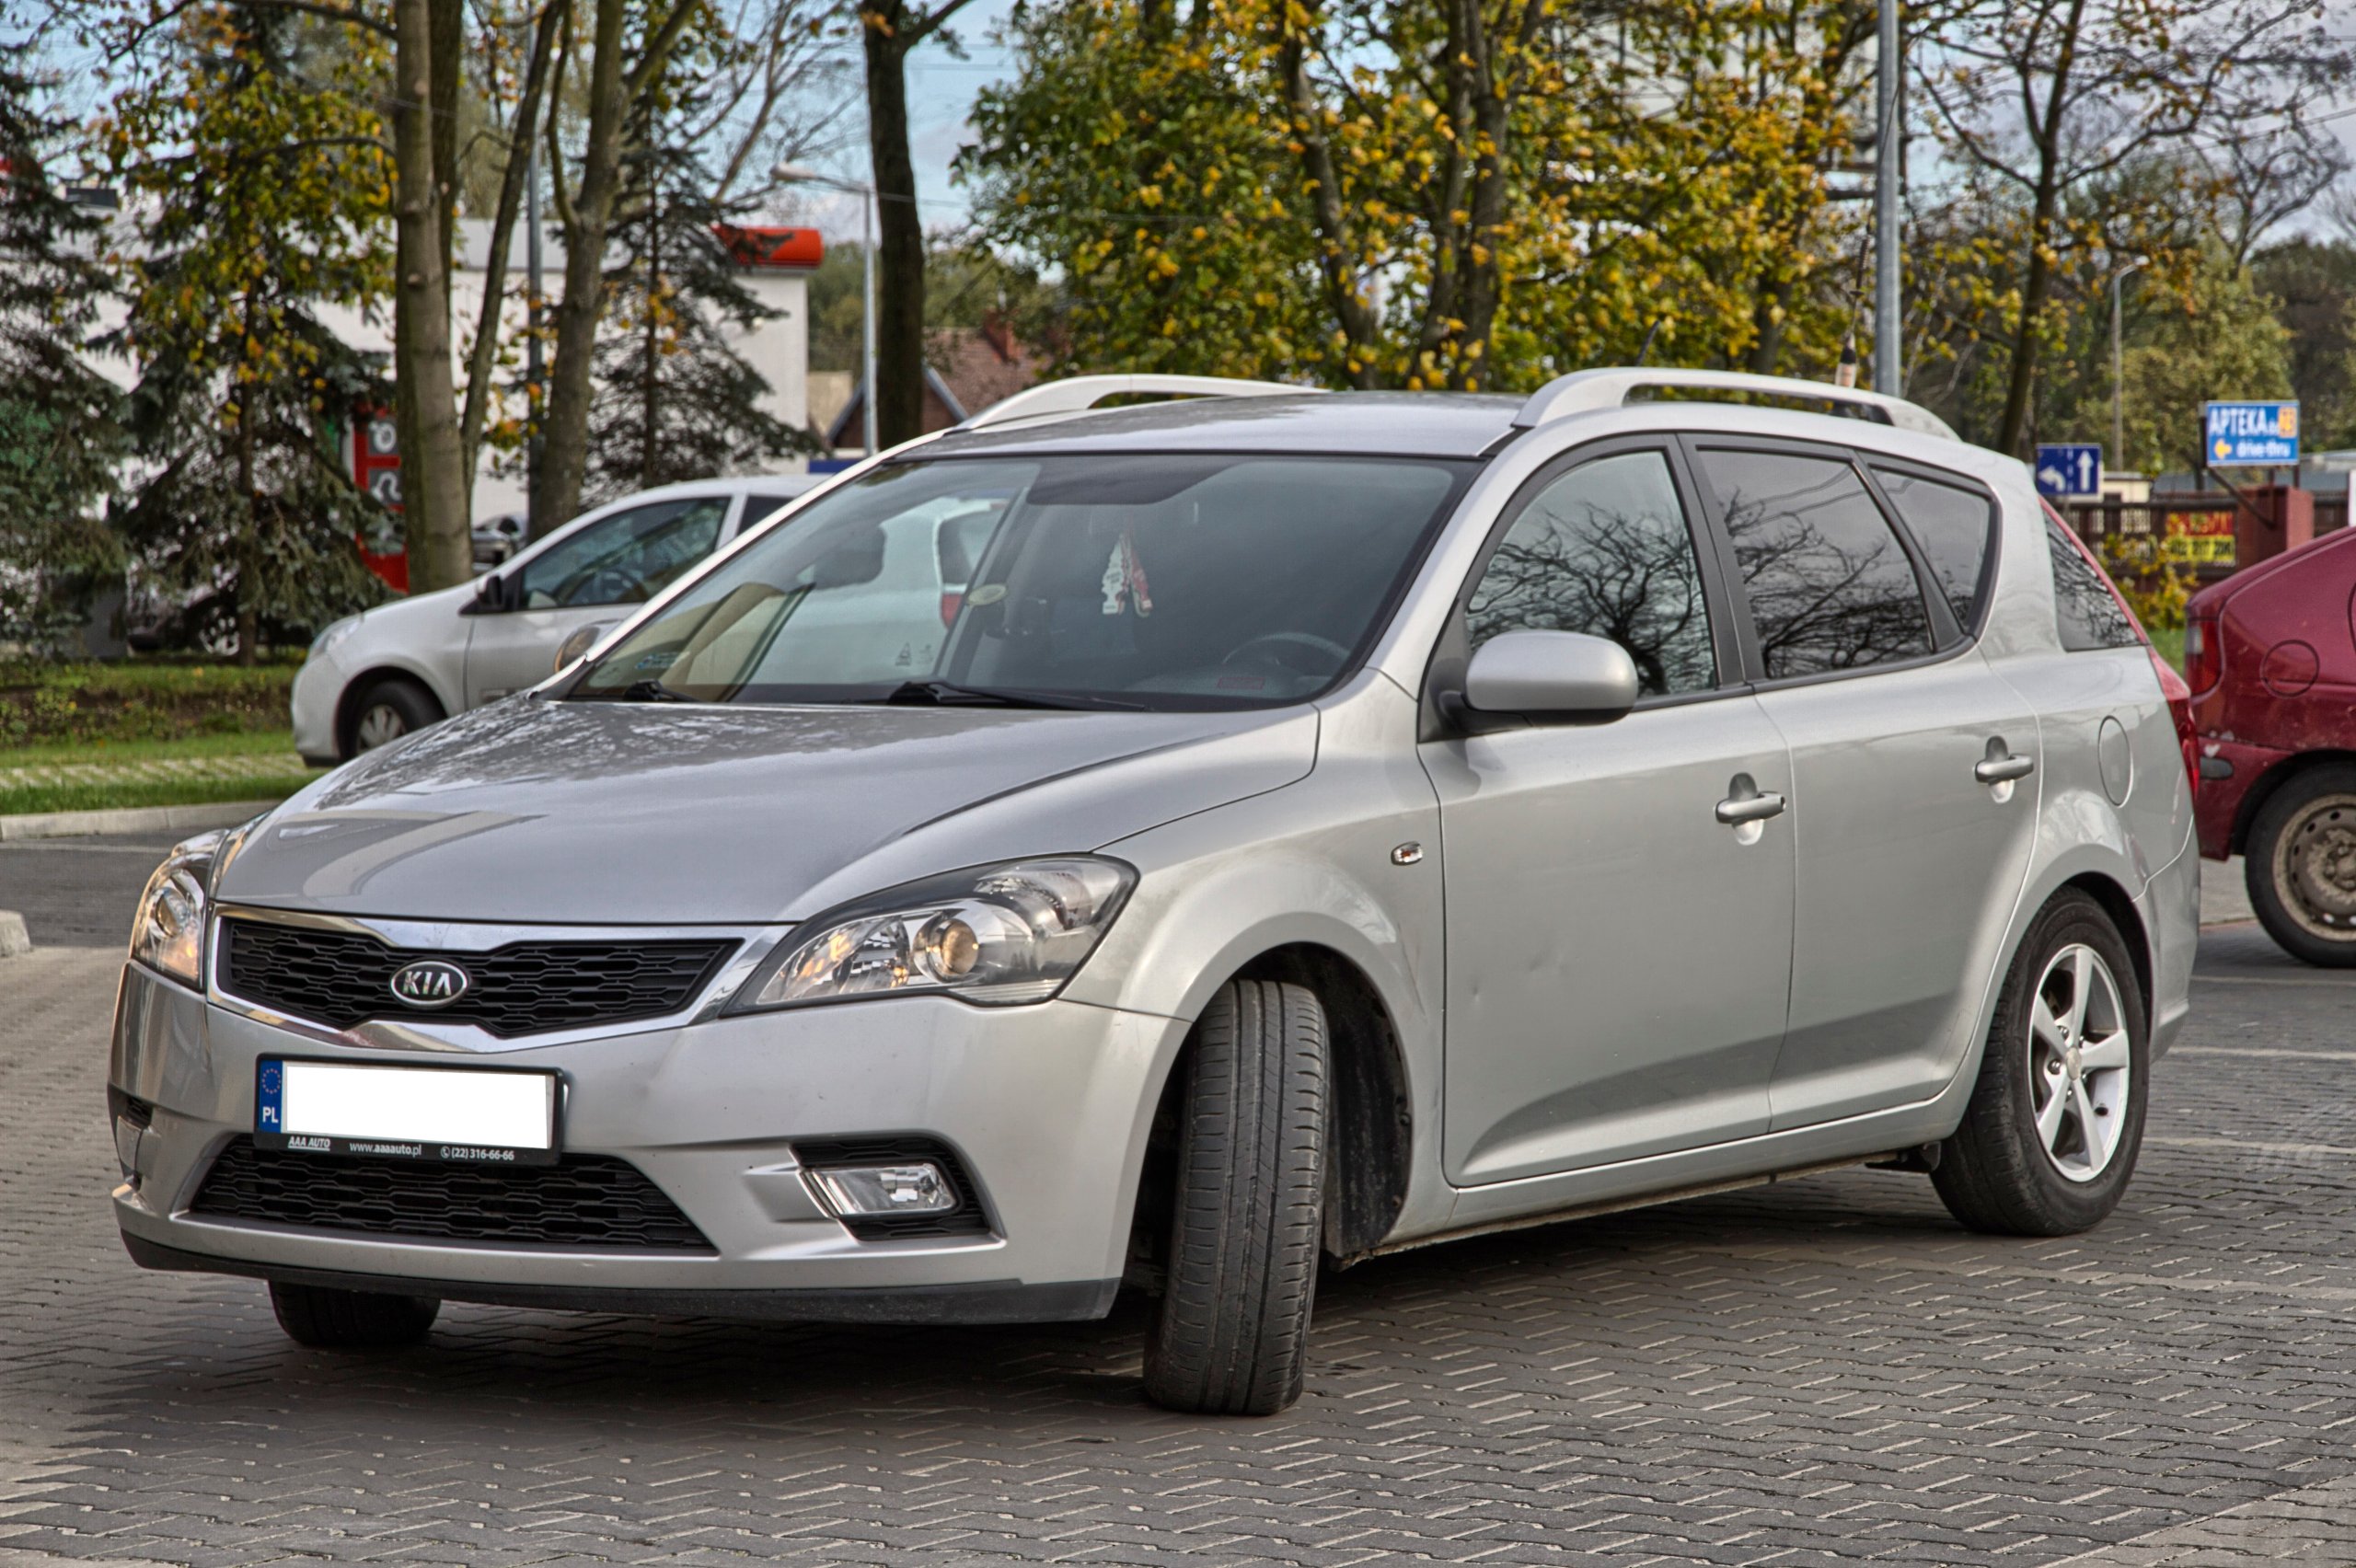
x: 1105, y: 580
x: 1604, y: 549
x: 626, y: 558
x: 1830, y: 585
x: 1952, y: 527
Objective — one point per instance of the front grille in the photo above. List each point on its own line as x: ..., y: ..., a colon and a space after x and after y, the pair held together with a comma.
x: 340, y: 979
x: 583, y: 1200
x: 968, y: 1219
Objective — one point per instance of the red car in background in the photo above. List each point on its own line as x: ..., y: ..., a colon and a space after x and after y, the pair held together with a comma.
x: 2270, y: 655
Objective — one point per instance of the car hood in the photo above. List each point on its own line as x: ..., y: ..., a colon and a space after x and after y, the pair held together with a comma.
x: 624, y: 813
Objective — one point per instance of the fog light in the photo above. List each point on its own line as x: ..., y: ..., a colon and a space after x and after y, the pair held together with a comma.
x: 885, y: 1189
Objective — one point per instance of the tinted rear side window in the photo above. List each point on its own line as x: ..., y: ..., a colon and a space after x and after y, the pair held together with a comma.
x: 1952, y: 527
x: 2089, y: 614
x: 1830, y: 587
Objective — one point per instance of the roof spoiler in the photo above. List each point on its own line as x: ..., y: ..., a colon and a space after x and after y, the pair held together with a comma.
x: 1077, y: 394
x: 1587, y: 391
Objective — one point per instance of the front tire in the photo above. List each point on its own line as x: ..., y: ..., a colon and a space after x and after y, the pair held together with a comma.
x: 2300, y: 866
x: 2048, y: 1142
x: 390, y: 708
x: 351, y: 1319
x: 1231, y: 1334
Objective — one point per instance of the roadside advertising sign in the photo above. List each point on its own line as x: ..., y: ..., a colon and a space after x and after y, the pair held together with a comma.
x: 2250, y: 435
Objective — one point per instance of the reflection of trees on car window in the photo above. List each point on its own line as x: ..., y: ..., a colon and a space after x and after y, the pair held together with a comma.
x: 1830, y: 587
x: 2088, y: 612
x: 1604, y: 550
x: 625, y: 559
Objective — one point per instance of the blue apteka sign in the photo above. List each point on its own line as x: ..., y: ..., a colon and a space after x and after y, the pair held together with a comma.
x: 2249, y: 435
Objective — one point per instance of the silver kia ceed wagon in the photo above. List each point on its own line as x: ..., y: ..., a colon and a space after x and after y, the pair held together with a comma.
x: 1316, y: 824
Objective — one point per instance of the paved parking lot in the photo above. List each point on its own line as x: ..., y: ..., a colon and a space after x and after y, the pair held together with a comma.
x: 1825, y: 1371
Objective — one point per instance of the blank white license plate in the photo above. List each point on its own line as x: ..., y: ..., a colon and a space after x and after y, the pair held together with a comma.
x: 404, y: 1113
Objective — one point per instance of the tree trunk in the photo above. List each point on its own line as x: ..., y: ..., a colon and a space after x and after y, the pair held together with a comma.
x: 1361, y: 328
x: 434, y: 491
x: 564, y: 456
x: 899, y: 260
x: 2037, y: 281
x: 483, y: 359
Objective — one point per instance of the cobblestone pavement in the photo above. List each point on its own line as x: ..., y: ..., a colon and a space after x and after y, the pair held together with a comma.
x: 1826, y: 1371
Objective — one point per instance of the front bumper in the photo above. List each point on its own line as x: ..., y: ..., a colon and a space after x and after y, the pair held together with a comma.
x: 1047, y: 1106
x: 318, y: 688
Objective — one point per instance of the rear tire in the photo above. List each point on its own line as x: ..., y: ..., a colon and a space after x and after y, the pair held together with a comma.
x: 388, y: 709
x: 2048, y: 1142
x: 2300, y: 866
x: 1229, y: 1336
x: 351, y: 1319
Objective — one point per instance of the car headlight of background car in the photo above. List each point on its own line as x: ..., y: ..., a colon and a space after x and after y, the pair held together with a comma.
x: 169, y: 935
x: 332, y: 634
x: 995, y: 935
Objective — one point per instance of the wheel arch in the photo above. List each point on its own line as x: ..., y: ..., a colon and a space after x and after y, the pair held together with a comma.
x: 1369, y: 1114
x: 2120, y: 906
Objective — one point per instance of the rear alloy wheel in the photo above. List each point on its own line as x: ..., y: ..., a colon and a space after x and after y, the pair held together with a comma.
x: 325, y: 1318
x: 2049, y: 1141
x: 388, y: 710
x: 2301, y: 866
x: 1231, y: 1334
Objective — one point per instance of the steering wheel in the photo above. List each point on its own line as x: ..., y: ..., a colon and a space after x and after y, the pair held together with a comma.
x: 1307, y: 640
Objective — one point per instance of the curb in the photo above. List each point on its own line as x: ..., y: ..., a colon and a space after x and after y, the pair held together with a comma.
x: 14, y: 939
x: 141, y: 819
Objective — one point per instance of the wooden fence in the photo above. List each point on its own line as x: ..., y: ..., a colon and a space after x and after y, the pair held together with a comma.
x: 2188, y: 528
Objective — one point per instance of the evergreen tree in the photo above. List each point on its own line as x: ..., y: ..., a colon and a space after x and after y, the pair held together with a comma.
x: 674, y: 401
x: 59, y: 439
x: 258, y: 171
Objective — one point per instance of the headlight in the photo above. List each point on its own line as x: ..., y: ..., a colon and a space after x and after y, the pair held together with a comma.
x: 994, y: 935
x: 169, y: 935
x: 332, y: 634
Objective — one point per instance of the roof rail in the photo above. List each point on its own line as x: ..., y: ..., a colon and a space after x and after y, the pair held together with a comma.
x: 1585, y: 391
x: 1077, y: 394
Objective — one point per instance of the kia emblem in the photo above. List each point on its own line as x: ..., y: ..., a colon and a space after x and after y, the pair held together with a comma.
x: 430, y: 982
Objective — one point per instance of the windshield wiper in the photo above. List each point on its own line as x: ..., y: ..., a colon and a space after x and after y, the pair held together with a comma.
x: 948, y: 694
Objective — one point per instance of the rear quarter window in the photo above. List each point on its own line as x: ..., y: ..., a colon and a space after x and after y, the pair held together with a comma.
x: 2086, y: 606
x: 1953, y: 525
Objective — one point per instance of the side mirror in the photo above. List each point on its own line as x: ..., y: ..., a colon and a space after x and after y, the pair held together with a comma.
x: 584, y: 639
x: 492, y: 594
x: 1562, y: 677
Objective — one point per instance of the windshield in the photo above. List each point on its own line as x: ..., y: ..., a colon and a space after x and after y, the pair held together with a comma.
x: 1157, y: 582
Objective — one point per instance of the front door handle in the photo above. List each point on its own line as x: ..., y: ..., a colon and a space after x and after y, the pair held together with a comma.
x: 1749, y: 803
x: 2004, y: 769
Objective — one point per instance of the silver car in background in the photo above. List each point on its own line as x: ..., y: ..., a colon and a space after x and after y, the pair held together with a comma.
x: 1319, y: 824
x: 393, y: 670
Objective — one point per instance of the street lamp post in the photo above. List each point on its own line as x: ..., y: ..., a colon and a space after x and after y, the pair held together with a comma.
x: 1889, y: 362
x: 2118, y: 365
x: 795, y: 174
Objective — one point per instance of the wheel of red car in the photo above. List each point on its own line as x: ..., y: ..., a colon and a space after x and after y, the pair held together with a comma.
x: 2301, y: 866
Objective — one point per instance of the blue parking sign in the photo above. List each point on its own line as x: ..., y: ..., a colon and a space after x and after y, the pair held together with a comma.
x: 2249, y: 435
x: 2068, y: 470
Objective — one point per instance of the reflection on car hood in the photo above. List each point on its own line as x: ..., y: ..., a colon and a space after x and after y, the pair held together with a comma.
x: 639, y: 812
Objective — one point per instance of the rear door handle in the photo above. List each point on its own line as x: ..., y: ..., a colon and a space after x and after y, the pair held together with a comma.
x: 1756, y: 805
x: 2004, y: 769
